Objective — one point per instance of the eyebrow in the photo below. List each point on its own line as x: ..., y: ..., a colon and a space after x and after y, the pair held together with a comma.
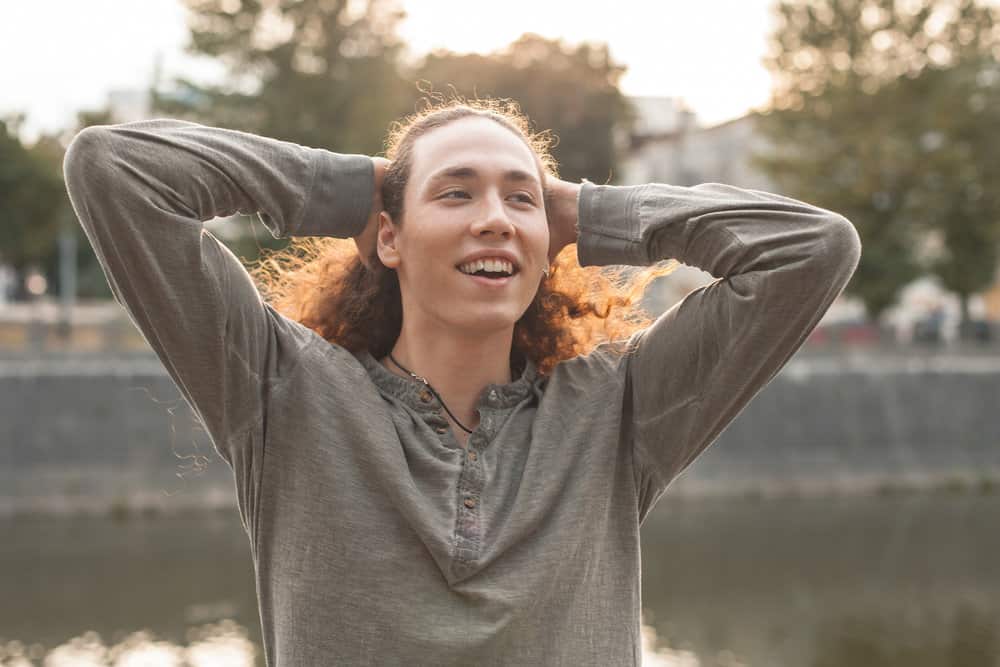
x: 469, y: 173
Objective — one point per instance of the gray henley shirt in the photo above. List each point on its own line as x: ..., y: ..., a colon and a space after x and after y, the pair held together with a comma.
x: 375, y: 537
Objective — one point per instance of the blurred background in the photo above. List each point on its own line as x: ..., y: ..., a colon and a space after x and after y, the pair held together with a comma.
x: 860, y: 532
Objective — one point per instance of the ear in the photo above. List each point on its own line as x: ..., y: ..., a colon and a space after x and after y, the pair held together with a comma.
x: 386, y: 241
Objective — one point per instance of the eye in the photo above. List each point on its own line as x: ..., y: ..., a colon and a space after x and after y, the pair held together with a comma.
x: 524, y: 196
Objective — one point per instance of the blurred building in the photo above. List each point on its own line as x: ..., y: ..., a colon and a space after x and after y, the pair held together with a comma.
x: 672, y: 147
x: 668, y: 145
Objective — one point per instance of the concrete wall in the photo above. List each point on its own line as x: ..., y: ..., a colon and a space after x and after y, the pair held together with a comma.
x: 88, y: 435
x: 835, y: 425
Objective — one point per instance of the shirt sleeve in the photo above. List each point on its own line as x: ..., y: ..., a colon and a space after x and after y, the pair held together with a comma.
x: 142, y: 191
x: 779, y: 264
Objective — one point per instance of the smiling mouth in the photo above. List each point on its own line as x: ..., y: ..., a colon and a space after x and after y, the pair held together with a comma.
x: 492, y: 275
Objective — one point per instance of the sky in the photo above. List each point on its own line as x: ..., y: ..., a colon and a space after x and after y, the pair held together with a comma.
x: 60, y: 56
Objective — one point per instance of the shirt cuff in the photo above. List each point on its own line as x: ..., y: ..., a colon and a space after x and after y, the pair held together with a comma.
x: 608, y: 222
x: 340, y: 198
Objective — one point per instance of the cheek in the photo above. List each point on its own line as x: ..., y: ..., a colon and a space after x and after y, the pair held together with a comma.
x: 539, y: 238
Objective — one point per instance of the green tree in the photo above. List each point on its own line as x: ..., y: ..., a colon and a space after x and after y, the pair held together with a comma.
x: 32, y: 198
x: 570, y: 90
x: 958, y: 199
x: 863, y: 99
x: 321, y: 73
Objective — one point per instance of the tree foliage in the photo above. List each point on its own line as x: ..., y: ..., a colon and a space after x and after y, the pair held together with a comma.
x: 320, y: 73
x: 885, y: 111
x: 570, y: 90
x: 329, y: 73
x: 957, y: 197
x: 31, y: 197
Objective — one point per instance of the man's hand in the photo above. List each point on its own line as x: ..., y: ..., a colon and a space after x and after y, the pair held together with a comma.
x: 561, y: 206
x: 365, y: 241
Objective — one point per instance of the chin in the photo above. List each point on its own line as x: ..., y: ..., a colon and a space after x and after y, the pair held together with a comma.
x: 486, y: 323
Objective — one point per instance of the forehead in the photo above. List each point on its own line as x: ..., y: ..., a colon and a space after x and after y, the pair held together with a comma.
x: 478, y: 143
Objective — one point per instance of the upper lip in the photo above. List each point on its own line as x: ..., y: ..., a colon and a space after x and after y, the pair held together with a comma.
x: 502, y: 254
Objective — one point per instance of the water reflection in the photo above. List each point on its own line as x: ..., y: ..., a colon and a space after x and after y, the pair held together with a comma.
x: 967, y: 637
x: 221, y: 645
x: 224, y: 644
x: 899, y: 581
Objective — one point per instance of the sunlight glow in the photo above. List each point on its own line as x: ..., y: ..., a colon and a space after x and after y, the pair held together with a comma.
x: 706, y: 53
x: 225, y: 644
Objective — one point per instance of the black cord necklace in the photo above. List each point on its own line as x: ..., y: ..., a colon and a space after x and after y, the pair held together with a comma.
x: 428, y: 384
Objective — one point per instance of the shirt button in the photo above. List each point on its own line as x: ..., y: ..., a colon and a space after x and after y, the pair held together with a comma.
x: 470, y: 502
x: 493, y: 394
x: 472, y: 456
x: 425, y: 396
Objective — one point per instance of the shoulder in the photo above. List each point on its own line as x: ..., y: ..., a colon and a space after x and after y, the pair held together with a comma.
x: 307, y: 353
x: 601, y: 369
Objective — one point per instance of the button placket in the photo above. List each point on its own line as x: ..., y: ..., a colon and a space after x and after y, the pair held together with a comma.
x: 468, y: 529
x: 468, y: 534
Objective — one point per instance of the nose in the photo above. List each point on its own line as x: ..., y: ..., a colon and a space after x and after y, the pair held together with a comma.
x: 494, y: 219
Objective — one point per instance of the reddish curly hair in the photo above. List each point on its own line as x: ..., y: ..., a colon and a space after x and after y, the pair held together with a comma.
x: 322, y: 283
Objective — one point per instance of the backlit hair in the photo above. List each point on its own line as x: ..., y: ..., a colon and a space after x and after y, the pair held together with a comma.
x: 323, y: 284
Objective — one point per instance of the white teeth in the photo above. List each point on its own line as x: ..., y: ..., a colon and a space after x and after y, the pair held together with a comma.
x: 489, y: 264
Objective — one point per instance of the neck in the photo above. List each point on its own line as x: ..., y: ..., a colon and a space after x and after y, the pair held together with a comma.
x: 458, y: 365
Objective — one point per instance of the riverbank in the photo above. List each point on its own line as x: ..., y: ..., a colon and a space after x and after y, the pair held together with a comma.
x: 112, y: 435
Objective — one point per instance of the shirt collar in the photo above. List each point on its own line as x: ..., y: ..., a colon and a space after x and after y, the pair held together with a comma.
x: 415, y: 393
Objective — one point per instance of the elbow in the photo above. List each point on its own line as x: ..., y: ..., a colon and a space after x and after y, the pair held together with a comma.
x: 86, y: 156
x: 843, y: 245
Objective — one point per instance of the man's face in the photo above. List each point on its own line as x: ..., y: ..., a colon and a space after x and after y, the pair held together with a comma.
x: 474, y: 186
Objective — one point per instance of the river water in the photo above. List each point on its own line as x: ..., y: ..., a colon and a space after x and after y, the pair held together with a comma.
x: 902, y: 580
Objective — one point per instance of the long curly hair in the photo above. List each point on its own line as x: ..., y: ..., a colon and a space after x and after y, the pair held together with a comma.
x: 322, y: 283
